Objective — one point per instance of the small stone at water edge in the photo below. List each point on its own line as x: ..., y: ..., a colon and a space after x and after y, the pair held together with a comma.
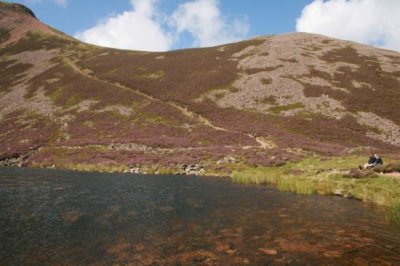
x: 268, y: 251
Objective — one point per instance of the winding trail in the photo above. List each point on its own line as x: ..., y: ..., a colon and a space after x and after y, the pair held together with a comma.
x: 264, y: 144
x: 184, y: 110
x: 199, y: 118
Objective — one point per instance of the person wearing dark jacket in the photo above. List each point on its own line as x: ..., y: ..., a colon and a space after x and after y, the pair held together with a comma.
x: 373, y: 161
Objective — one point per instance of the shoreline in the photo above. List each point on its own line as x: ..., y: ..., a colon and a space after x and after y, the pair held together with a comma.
x: 335, y: 176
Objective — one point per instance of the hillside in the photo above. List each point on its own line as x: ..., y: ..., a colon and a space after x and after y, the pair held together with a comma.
x: 262, y: 101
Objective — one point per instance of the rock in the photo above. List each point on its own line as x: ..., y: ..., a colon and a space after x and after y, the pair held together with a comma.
x: 231, y: 251
x: 337, y: 192
x: 12, y: 161
x: 192, y: 169
x: 133, y: 169
x: 132, y: 147
x: 342, y: 193
x: 252, y: 135
x: 226, y: 160
x: 268, y: 251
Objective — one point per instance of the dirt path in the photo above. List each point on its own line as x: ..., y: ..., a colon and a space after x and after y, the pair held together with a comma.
x: 184, y: 110
x: 198, y: 117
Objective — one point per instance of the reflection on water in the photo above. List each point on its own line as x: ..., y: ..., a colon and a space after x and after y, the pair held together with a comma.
x: 61, y: 217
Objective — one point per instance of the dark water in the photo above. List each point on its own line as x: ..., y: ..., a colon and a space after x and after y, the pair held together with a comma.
x: 52, y: 217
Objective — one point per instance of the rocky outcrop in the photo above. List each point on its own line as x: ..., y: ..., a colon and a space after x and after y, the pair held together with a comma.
x: 192, y: 169
x: 12, y: 161
x: 133, y: 169
x: 182, y: 169
x: 17, y: 8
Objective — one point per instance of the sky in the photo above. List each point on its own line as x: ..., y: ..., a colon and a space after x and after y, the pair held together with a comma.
x: 160, y: 25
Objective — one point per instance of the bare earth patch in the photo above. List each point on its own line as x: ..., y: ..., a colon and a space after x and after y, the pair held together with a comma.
x: 15, y: 99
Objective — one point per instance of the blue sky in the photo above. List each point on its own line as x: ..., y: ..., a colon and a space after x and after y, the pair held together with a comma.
x: 174, y: 24
x: 265, y: 16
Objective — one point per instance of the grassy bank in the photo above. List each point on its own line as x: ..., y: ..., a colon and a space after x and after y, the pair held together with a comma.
x: 394, y: 213
x: 328, y: 177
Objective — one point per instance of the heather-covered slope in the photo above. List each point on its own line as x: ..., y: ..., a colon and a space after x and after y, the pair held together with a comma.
x: 257, y: 102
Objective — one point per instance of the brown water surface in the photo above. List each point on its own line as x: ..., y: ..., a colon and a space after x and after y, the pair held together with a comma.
x: 50, y: 217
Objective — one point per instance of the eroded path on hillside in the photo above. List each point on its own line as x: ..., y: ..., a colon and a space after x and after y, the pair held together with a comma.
x: 200, y: 118
x: 182, y: 109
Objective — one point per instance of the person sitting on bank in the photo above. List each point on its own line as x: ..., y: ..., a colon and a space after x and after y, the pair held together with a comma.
x: 373, y: 161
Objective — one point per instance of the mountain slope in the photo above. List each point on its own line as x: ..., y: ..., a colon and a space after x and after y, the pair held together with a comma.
x: 257, y: 102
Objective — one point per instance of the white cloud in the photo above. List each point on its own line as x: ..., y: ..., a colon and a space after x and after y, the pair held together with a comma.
x: 373, y: 22
x: 137, y: 29
x: 204, y: 21
x: 146, y: 28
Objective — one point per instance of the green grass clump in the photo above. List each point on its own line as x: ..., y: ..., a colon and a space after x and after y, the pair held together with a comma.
x: 72, y: 101
x: 315, y: 175
x: 163, y: 170
x: 145, y: 118
x: 394, y: 213
x: 151, y: 75
x: 284, y: 178
x: 266, y: 81
x: 219, y: 96
x: 319, y: 176
x: 233, y: 89
x: 55, y: 94
x: 221, y: 87
x: 282, y: 108
x: 267, y: 100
